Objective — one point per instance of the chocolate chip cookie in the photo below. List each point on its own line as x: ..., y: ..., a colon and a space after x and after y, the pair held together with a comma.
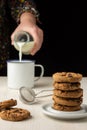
x: 67, y: 101
x: 66, y: 108
x: 68, y: 94
x: 7, y: 103
x: 70, y: 77
x: 66, y: 86
x: 15, y: 114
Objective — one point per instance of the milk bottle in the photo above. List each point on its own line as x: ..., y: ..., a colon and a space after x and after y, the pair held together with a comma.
x: 23, y: 42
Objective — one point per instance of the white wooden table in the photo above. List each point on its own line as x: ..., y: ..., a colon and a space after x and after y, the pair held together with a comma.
x: 39, y: 121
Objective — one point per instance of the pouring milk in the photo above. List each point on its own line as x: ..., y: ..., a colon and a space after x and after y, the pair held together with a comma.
x: 23, y: 42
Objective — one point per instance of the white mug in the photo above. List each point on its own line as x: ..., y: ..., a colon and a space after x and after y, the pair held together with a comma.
x: 22, y: 73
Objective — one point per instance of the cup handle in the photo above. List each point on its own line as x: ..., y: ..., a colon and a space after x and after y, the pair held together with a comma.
x: 42, y: 71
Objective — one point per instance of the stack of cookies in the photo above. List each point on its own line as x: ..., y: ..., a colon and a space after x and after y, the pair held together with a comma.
x: 67, y: 92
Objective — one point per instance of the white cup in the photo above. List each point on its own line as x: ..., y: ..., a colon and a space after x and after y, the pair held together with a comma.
x: 22, y: 73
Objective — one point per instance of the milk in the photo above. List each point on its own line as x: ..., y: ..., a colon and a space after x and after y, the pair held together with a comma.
x: 23, y: 42
x: 20, y: 44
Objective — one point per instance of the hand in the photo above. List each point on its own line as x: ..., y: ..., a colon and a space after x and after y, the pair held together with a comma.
x: 28, y: 24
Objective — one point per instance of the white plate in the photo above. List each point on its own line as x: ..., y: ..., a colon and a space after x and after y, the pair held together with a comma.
x: 48, y: 110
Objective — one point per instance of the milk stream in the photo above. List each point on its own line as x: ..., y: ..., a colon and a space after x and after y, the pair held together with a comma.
x: 20, y: 44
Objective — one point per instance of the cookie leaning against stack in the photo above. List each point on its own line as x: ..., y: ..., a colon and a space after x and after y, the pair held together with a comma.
x: 67, y: 92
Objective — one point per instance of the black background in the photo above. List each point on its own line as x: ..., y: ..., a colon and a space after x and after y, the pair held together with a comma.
x: 64, y: 47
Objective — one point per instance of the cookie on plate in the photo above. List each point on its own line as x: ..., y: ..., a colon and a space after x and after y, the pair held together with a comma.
x: 70, y: 77
x: 15, y: 114
x: 66, y: 86
x: 67, y: 101
x: 8, y: 103
x: 68, y: 94
x: 66, y: 108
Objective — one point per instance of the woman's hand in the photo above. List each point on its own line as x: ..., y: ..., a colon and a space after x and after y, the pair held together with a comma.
x: 28, y: 24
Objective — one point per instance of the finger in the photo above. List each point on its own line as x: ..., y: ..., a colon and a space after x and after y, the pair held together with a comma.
x: 36, y: 48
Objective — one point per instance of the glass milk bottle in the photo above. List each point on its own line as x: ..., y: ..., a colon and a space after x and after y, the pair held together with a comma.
x: 23, y: 42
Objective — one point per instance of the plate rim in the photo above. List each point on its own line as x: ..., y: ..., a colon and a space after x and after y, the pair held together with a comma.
x: 64, y: 115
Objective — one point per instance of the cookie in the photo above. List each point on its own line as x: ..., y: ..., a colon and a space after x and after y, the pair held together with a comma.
x: 66, y: 86
x: 67, y: 101
x: 8, y: 103
x: 69, y: 94
x: 15, y: 114
x: 70, y: 77
x: 65, y: 108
